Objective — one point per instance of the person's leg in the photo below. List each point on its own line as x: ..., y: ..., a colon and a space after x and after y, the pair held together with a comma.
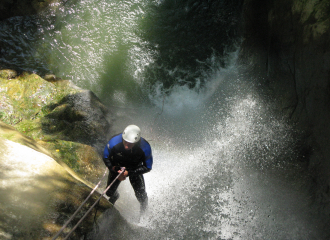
x: 138, y: 185
x: 112, y: 192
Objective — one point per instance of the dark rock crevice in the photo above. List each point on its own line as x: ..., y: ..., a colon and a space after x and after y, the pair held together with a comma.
x: 286, y: 42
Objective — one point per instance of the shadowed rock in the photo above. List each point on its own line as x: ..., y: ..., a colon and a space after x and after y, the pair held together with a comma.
x: 37, y: 194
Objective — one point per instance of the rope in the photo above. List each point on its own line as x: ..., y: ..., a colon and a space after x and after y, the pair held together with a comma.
x: 75, y: 213
x: 123, y: 170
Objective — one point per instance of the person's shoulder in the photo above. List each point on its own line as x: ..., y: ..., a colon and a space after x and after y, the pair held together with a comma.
x: 116, y: 139
x: 144, y: 144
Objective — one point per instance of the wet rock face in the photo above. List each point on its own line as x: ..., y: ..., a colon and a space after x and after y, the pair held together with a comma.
x: 287, y: 45
x: 70, y: 122
x: 64, y: 111
x: 47, y: 179
x: 34, y: 188
x: 80, y: 118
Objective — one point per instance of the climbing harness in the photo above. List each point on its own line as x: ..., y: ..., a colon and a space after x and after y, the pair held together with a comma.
x: 91, y: 193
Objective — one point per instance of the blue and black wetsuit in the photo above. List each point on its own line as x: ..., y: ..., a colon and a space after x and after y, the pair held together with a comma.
x: 137, y: 161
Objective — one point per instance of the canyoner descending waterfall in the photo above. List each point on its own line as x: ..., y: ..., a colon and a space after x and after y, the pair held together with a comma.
x: 226, y: 164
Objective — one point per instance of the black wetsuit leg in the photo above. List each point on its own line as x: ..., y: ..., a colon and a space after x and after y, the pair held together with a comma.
x: 138, y: 185
x: 112, y: 192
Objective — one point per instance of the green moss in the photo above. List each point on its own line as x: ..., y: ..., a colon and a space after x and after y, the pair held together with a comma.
x: 42, y: 111
x: 64, y: 150
x: 5, y: 117
x: 7, y: 74
x: 67, y: 152
x: 8, y: 118
x: 29, y: 97
x: 31, y: 128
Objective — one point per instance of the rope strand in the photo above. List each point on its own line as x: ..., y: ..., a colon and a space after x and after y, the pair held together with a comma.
x: 122, y: 171
x: 75, y: 213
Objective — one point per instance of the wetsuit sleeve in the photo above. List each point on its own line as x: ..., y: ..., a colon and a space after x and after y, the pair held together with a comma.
x: 138, y: 171
x: 148, y: 159
x: 107, y: 154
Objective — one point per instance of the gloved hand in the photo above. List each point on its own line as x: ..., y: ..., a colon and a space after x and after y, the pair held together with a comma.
x: 116, y: 168
x: 123, y: 176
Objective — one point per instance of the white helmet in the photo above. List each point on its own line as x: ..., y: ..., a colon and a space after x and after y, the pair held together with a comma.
x: 132, y: 134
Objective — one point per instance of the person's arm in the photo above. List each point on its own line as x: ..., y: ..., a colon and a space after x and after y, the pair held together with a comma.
x: 107, y: 156
x: 138, y: 171
x: 146, y: 164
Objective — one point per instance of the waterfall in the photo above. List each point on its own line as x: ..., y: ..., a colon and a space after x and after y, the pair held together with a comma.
x: 225, y: 167
x: 225, y: 160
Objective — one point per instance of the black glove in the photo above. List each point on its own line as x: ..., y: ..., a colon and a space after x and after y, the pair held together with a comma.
x: 117, y: 168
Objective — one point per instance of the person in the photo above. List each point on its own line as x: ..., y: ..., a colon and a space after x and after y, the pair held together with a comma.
x: 129, y: 150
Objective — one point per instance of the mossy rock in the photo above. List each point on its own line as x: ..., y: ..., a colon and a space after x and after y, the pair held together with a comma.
x: 79, y: 117
x: 24, y: 97
x: 8, y: 74
x: 82, y: 159
x: 68, y: 121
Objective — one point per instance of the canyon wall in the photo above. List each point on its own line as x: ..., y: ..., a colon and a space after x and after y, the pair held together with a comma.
x: 287, y: 46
